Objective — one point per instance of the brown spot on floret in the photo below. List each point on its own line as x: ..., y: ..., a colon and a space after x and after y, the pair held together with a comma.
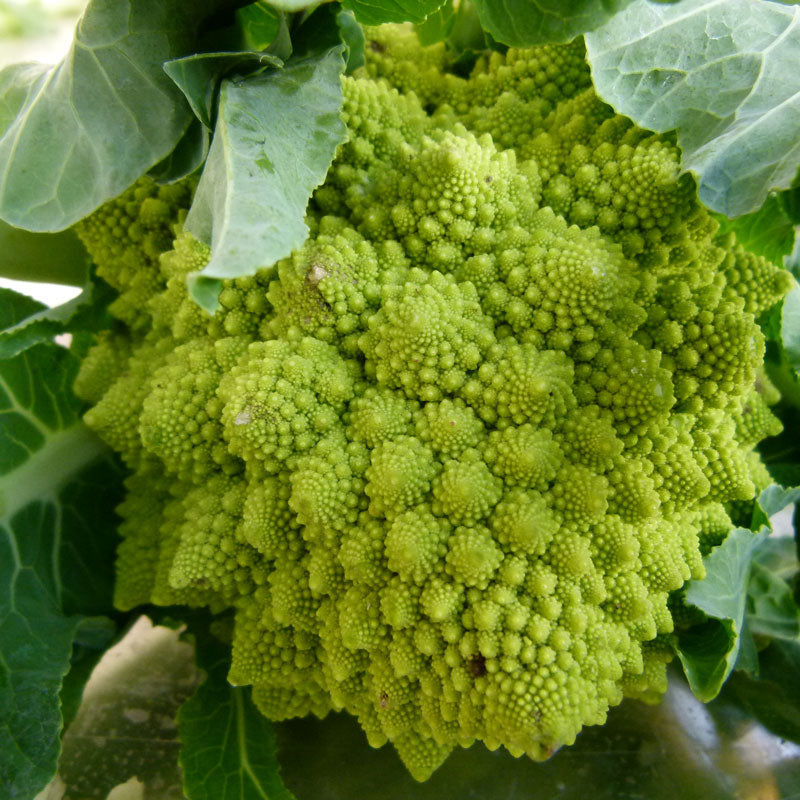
x: 477, y: 666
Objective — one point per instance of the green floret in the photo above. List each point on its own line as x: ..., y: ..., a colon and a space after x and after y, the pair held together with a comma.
x: 450, y: 463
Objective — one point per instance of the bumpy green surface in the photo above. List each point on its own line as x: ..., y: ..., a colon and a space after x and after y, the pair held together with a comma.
x: 447, y: 461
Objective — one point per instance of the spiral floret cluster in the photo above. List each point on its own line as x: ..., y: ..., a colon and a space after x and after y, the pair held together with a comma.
x: 447, y: 462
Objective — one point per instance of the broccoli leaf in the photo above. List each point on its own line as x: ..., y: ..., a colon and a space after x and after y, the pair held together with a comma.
x: 86, y: 312
x: 48, y: 257
x: 376, y: 12
x: 79, y: 133
x: 198, y: 76
x: 521, y: 23
x: 771, y: 609
x: 190, y: 152
x: 709, y: 651
x: 275, y: 137
x: 260, y: 23
x: 227, y: 745
x: 326, y: 27
x: 725, y: 75
x: 768, y: 232
x: 772, y: 500
x: 58, y: 489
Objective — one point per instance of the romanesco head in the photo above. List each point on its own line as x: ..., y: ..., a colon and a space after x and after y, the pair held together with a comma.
x: 447, y: 461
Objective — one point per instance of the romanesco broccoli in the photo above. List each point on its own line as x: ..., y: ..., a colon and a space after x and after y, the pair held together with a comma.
x: 447, y: 462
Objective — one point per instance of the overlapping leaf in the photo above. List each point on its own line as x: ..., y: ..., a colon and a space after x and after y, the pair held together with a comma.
x: 57, y: 494
x: 275, y: 137
x: 725, y: 75
x: 79, y: 133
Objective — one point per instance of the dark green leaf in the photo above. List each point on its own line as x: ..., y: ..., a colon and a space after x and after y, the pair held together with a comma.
x: 93, y: 636
x: 352, y: 35
x: 77, y: 134
x: 326, y: 27
x: 86, y: 312
x: 275, y: 138
x: 792, y: 261
x: 709, y: 651
x: 768, y: 232
x: 790, y: 202
x: 281, y: 45
x: 376, y: 12
x: 725, y: 75
x: 521, y: 23
x: 58, y: 488
x: 48, y: 257
x: 198, y: 76
x: 186, y: 158
x: 260, y: 23
x: 227, y: 745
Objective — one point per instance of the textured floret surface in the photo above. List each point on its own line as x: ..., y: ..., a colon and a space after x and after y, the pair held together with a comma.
x: 447, y: 462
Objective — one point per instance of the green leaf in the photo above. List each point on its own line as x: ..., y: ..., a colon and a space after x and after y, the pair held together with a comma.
x: 198, y: 76
x: 93, y: 636
x: 58, y: 489
x: 77, y: 134
x: 352, y: 34
x: 770, y: 501
x: 86, y: 312
x: 522, y: 23
x: 48, y: 257
x: 768, y: 232
x: 292, y: 5
x: 227, y: 745
x: 709, y: 651
x: 326, y: 27
x: 260, y: 23
x: 186, y: 158
x: 275, y: 138
x: 790, y: 328
x: 725, y: 75
x: 437, y: 26
x: 771, y: 609
x: 376, y: 12
x: 783, y: 366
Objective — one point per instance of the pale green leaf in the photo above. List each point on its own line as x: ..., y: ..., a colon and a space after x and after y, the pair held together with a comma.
x: 198, y: 76
x: 275, y: 138
x: 725, y: 75
x: 77, y: 134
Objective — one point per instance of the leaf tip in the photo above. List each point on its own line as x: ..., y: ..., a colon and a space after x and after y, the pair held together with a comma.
x: 204, y: 291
